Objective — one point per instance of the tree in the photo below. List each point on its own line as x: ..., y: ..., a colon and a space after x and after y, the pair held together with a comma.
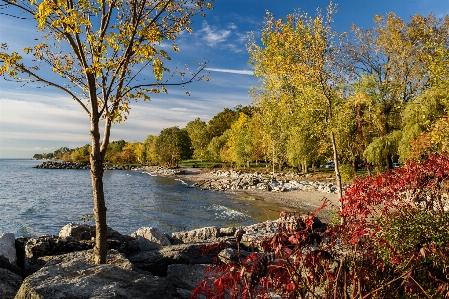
x: 98, y: 49
x: 303, y: 54
x: 240, y: 141
x: 140, y: 152
x: 81, y: 154
x: 401, y: 60
x: 215, y: 147
x: 199, y: 136
x: 172, y: 145
x: 60, y: 152
x: 113, y: 151
x: 221, y: 122
x: 150, y: 150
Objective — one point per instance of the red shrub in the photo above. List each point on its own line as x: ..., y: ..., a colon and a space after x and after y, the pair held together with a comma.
x: 394, y: 243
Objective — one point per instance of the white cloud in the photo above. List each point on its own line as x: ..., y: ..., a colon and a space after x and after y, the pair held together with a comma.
x: 232, y: 26
x: 241, y: 72
x: 212, y: 35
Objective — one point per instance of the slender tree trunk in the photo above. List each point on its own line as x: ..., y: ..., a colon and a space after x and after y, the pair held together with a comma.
x: 337, y: 173
x: 96, y: 173
x: 272, y: 175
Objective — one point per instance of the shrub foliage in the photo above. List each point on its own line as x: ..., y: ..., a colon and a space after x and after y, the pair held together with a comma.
x: 394, y: 243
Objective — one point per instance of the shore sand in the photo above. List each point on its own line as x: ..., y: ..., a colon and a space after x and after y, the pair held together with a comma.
x: 292, y: 201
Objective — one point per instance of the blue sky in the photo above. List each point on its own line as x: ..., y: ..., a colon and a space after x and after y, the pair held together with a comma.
x: 37, y: 120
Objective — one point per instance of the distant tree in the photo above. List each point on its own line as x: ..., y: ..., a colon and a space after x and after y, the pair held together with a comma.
x: 199, y: 135
x: 216, y: 146
x: 37, y: 156
x: 150, y: 150
x: 140, y: 152
x: 240, y: 142
x: 66, y: 156
x: 57, y: 154
x: 173, y: 145
x: 114, y: 150
x: 98, y: 49
x: 221, y: 122
x: 81, y: 154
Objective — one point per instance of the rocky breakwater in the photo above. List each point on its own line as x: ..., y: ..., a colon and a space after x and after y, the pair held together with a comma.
x: 146, y: 264
x: 236, y: 180
x: 162, y: 171
x: 76, y: 165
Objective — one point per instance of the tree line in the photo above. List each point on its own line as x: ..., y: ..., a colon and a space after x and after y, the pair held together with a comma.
x: 381, y: 94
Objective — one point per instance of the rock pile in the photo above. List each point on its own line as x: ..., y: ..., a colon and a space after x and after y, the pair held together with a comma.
x: 162, y: 171
x: 235, y: 180
x: 76, y: 165
x: 146, y: 264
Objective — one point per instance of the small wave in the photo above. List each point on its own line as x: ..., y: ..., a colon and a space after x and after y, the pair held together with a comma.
x: 182, y: 182
x: 222, y: 212
x: 149, y: 173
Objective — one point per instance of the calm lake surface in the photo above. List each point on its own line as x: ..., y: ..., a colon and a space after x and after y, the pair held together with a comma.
x: 41, y: 201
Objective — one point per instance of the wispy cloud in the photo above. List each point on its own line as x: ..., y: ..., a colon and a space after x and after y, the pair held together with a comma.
x: 241, y: 72
x: 213, y: 35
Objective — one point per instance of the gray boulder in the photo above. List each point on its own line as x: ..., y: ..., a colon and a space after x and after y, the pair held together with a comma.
x: 73, y: 276
x: 86, y: 233
x: 48, y: 245
x: 8, y: 247
x: 9, y: 284
x: 198, y: 235
x: 77, y: 231
x: 150, y: 238
x: 184, y: 278
x: 157, y: 261
x: 5, y: 264
x: 227, y: 231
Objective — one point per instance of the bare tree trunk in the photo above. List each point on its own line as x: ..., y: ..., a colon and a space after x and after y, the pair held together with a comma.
x: 272, y: 161
x: 337, y: 173
x: 96, y: 173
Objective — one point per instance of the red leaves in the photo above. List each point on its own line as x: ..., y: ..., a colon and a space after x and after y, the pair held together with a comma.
x: 366, y: 256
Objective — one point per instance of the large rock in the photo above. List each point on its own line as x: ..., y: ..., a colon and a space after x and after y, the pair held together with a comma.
x: 198, y: 235
x: 77, y: 231
x: 150, y: 238
x: 157, y: 261
x: 49, y: 245
x: 9, y: 284
x: 83, y: 232
x: 73, y: 276
x: 5, y: 264
x: 185, y: 278
x: 8, y: 247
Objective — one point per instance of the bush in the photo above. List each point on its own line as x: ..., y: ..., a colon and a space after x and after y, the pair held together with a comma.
x: 394, y: 243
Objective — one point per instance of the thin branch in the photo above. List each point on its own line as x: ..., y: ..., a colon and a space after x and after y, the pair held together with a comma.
x: 38, y: 78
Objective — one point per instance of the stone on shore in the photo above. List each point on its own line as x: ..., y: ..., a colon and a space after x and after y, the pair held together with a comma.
x: 157, y: 261
x: 5, y: 264
x: 83, y: 232
x: 197, y: 235
x: 8, y: 247
x: 74, y: 276
x: 185, y: 278
x: 77, y: 231
x: 150, y: 238
x: 9, y: 284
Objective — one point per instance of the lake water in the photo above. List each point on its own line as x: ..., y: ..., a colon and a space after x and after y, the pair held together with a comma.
x: 41, y: 201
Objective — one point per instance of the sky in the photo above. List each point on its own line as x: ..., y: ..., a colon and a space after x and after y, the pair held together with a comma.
x: 41, y: 120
